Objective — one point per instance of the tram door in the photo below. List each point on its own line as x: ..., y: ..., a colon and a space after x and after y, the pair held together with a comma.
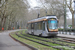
x: 32, y: 27
x: 43, y: 28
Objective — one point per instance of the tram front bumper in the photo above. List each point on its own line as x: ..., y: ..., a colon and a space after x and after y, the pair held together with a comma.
x: 52, y: 33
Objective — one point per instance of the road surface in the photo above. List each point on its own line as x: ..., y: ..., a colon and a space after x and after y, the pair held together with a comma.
x: 7, y: 43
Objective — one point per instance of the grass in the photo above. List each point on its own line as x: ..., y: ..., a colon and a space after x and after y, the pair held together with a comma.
x: 39, y: 46
x: 51, y: 39
x: 36, y: 45
x: 65, y: 47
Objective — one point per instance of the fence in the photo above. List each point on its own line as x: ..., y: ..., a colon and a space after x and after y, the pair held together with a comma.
x: 67, y: 32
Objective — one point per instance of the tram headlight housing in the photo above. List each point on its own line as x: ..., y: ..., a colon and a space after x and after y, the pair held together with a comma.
x: 53, y: 30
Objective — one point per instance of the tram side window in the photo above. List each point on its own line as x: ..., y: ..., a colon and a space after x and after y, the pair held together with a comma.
x: 39, y: 26
x: 32, y: 26
x: 29, y: 26
x: 35, y: 26
x: 43, y: 26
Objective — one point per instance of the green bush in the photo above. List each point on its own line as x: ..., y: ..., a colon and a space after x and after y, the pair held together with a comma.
x: 66, y: 30
x: 60, y: 29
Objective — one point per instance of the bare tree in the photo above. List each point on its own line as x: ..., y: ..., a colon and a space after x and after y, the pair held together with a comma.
x: 11, y: 11
x: 54, y: 7
x: 69, y: 5
x: 3, y: 10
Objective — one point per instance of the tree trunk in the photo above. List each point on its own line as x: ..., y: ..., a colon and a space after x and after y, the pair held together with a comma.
x: 73, y: 21
x: 9, y: 27
x: 1, y: 23
x: 4, y: 22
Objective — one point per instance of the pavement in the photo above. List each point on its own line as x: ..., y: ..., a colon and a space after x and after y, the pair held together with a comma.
x: 7, y: 43
x: 66, y: 35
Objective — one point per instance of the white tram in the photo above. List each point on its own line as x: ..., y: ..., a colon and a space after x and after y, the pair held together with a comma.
x: 44, y: 26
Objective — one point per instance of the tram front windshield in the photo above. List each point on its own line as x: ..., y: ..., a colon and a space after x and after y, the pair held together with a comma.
x: 52, y: 24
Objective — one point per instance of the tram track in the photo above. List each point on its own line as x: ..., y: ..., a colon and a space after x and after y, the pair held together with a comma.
x: 25, y: 37
x: 65, y: 39
x: 50, y: 41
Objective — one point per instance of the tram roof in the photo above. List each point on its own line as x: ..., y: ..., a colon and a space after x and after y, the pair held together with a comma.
x: 42, y: 18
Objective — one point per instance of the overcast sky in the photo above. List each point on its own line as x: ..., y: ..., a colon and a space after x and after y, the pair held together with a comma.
x: 34, y: 3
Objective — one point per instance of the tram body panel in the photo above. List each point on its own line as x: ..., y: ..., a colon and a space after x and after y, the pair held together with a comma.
x: 29, y: 31
x: 37, y: 32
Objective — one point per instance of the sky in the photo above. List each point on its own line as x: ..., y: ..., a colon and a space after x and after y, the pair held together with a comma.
x: 34, y: 3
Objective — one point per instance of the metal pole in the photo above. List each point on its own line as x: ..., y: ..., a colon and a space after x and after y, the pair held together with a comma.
x: 74, y: 15
x: 46, y: 12
x: 38, y: 13
x: 65, y: 16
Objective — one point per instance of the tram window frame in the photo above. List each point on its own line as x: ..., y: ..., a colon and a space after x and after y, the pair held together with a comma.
x: 39, y: 25
x: 47, y: 25
x: 35, y: 26
x: 43, y: 25
x: 29, y: 26
x: 50, y: 24
x: 32, y: 25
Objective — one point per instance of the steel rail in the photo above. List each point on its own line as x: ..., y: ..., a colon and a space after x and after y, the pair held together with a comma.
x: 49, y: 41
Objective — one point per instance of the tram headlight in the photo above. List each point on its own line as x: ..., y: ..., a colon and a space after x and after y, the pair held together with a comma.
x: 56, y: 30
x: 50, y: 30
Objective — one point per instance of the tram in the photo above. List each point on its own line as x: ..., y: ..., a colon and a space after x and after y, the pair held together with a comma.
x: 43, y: 26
